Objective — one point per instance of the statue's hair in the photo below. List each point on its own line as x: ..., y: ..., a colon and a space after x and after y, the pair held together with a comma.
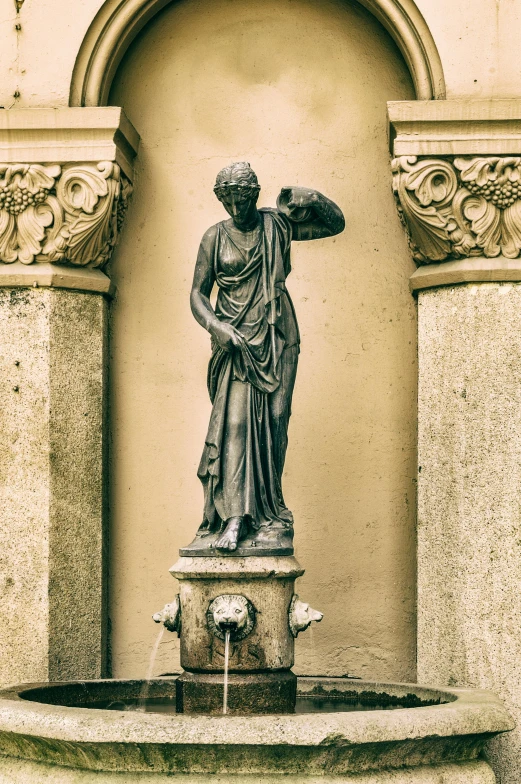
x: 237, y: 172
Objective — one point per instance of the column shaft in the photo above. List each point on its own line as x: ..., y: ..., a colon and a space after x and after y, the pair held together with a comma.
x: 469, y: 496
x: 52, y: 474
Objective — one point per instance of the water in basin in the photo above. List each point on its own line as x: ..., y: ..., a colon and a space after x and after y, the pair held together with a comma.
x: 304, y: 705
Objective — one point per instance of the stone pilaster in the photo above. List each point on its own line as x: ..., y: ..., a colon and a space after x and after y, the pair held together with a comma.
x: 457, y: 177
x: 64, y: 185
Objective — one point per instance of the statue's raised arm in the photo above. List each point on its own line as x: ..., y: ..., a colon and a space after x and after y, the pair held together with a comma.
x: 312, y: 215
x: 255, y: 348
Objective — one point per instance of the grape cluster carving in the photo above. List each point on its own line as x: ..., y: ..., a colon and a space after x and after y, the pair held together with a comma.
x: 61, y: 214
x: 460, y: 207
x: 15, y: 199
x: 502, y: 194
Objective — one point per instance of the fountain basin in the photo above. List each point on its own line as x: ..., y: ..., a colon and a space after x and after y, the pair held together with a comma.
x: 64, y: 734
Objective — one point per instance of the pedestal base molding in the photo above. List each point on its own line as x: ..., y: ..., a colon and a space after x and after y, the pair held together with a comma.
x: 475, y: 270
x: 44, y: 275
x: 14, y: 771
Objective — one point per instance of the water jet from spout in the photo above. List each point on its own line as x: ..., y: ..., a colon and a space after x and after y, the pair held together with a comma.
x: 226, y: 660
x: 146, y: 686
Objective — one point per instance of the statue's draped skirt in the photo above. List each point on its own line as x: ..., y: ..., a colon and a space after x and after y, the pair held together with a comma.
x: 250, y: 387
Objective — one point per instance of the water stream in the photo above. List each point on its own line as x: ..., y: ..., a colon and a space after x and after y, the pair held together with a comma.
x: 143, y: 697
x: 226, y: 660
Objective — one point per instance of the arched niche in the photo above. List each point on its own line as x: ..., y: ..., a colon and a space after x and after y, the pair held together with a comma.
x: 118, y: 22
x: 299, y: 89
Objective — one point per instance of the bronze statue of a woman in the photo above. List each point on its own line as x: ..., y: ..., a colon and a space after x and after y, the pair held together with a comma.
x: 255, y: 347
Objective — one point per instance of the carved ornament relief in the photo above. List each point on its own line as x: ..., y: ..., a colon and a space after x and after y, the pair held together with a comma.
x: 460, y: 206
x: 67, y: 214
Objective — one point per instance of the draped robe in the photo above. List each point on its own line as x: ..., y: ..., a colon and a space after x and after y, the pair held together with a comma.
x: 255, y: 301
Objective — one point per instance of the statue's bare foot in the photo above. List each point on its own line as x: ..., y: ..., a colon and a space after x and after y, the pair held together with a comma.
x: 231, y: 534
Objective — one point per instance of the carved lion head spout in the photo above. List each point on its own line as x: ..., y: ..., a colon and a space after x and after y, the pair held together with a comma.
x: 231, y: 613
x: 301, y: 615
x: 170, y: 616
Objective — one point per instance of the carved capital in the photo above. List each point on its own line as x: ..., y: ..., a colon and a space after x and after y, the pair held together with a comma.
x: 68, y: 214
x: 64, y: 186
x: 457, y: 207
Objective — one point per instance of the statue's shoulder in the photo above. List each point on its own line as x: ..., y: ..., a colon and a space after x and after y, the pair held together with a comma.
x: 276, y: 215
x: 280, y: 223
x: 211, y: 234
x: 273, y: 211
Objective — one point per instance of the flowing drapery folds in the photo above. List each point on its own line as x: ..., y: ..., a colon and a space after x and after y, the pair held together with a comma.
x: 255, y: 301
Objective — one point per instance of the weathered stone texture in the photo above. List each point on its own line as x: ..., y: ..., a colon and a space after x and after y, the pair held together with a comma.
x: 267, y: 582
x: 22, y: 772
x: 77, y: 585
x: 469, y: 509
x: 438, y: 743
x: 51, y: 484
x: 24, y: 485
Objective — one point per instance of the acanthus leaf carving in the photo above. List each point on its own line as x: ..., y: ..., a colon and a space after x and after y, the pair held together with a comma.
x: 433, y: 184
x: 460, y: 206
x: 63, y: 215
x: 8, y: 243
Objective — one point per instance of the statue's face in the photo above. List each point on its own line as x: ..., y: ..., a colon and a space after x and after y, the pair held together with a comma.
x: 240, y: 202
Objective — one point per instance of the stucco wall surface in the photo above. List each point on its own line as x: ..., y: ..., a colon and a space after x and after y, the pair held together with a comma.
x: 477, y: 42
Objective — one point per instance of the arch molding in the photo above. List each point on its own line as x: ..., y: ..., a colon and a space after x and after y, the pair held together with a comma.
x: 118, y: 22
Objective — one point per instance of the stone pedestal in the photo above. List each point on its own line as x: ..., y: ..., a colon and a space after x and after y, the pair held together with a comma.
x: 64, y: 182
x: 260, y: 655
x: 52, y: 491
x: 248, y: 692
x: 469, y: 484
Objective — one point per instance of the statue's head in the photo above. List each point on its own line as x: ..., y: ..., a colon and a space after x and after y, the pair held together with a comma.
x: 237, y: 187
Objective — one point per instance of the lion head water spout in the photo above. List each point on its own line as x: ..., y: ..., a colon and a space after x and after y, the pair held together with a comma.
x: 231, y: 617
x: 252, y: 602
x: 170, y: 616
x: 301, y: 616
x: 231, y: 613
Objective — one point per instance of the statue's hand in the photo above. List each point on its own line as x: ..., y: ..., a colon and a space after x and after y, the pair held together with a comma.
x: 226, y: 336
x: 298, y: 198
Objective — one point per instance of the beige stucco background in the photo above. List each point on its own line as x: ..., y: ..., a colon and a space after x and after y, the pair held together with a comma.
x: 299, y: 89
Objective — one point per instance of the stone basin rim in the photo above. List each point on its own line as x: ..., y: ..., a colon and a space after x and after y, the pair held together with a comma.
x: 465, y: 712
